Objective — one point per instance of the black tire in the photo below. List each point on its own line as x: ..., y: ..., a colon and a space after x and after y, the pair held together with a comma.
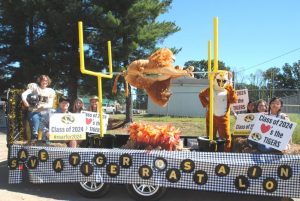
x: 144, y: 192
x: 92, y: 189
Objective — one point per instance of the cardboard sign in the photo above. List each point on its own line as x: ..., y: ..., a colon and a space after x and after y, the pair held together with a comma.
x: 243, y: 99
x: 93, y: 122
x: 272, y: 131
x: 67, y: 126
x: 244, y: 123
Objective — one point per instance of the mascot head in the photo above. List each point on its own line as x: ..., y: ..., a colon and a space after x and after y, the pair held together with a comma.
x: 222, y: 79
x: 162, y: 58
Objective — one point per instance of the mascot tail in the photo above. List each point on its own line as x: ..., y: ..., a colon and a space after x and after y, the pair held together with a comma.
x: 115, y: 86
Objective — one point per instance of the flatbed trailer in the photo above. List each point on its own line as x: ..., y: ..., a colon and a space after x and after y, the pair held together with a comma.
x: 146, y: 173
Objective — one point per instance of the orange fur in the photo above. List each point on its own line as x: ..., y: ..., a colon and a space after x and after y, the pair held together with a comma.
x: 157, y: 88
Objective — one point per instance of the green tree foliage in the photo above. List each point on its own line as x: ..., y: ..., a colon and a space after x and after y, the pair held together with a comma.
x: 41, y: 37
x: 202, y: 65
x: 133, y: 28
x: 284, y: 81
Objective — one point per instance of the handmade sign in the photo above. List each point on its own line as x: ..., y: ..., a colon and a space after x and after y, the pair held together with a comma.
x: 93, y: 123
x: 272, y: 132
x: 67, y: 126
x: 243, y: 99
x: 256, y: 174
x: 244, y: 123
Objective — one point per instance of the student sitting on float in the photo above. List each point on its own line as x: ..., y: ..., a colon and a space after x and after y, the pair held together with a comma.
x: 250, y: 107
x: 78, y: 106
x: 40, y: 99
x: 261, y: 106
x: 64, y: 103
x: 274, y: 109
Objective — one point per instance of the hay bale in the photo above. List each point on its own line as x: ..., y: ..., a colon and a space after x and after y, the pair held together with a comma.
x: 241, y: 145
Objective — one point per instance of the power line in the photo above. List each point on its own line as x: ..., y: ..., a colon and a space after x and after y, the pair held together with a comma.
x: 294, y: 50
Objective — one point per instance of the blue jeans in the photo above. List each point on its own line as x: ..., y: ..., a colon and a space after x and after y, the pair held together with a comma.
x: 34, y: 119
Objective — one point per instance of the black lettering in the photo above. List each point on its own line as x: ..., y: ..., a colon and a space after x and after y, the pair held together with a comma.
x: 222, y: 170
x: 145, y: 172
x: 187, y: 165
x: 173, y: 175
x: 270, y: 185
x: 58, y: 165
x: 200, y: 177
x: 284, y: 172
x: 241, y: 183
x: 100, y: 160
x: 86, y: 169
x: 22, y: 155
x: 13, y: 163
x: 125, y: 161
x: 43, y: 155
x: 112, y: 169
x: 254, y: 172
x: 32, y: 162
x: 74, y: 159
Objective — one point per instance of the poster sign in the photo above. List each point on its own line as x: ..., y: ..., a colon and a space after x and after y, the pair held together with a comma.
x: 93, y: 122
x: 67, y: 126
x: 245, y: 123
x: 272, y: 132
x: 243, y: 99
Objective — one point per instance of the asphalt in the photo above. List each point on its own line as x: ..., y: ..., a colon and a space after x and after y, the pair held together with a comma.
x: 3, y: 147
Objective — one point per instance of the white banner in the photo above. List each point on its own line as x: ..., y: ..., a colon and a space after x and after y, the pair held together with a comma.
x: 272, y: 131
x: 93, y: 122
x: 67, y: 126
x: 243, y: 99
x: 244, y: 123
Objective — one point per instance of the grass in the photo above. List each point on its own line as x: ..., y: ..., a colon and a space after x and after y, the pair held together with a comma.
x: 191, y: 126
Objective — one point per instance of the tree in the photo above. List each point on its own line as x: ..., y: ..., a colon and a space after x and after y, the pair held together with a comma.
x: 40, y: 37
x: 133, y: 28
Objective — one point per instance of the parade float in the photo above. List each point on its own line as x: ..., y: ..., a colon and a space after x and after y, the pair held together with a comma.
x: 153, y: 158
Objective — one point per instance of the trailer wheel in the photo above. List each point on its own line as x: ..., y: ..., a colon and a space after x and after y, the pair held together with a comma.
x: 145, y: 192
x: 92, y: 189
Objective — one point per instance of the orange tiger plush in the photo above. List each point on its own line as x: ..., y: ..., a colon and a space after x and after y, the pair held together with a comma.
x: 224, y: 95
x: 154, y: 75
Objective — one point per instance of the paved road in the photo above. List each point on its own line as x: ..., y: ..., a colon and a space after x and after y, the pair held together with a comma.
x: 47, y: 192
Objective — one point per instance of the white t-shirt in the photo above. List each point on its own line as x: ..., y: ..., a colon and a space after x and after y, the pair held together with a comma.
x: 280, y: 115
x: 46, y: 97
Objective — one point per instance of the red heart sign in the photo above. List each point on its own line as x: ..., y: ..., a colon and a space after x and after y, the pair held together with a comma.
x: 265, y: 128
x: 88, y: 121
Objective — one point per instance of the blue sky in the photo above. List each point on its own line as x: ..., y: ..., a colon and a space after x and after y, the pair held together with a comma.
x: 250, y: 31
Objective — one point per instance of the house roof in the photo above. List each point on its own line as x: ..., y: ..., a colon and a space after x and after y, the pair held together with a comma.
x: 188, y: 80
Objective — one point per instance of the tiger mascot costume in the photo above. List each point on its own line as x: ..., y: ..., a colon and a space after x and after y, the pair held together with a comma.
x: 224, y: 95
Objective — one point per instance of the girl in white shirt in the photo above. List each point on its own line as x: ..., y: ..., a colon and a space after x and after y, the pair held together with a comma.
x: 275, y: 106
x: 45, y: 101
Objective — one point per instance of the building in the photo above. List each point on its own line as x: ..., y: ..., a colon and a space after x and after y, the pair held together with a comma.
x: 184, y: 100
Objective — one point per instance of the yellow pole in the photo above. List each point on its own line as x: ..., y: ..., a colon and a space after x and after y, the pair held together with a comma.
x: 100, y: 105
x: 216, y: 66
x: 97, y: 74
x: 211, y: 93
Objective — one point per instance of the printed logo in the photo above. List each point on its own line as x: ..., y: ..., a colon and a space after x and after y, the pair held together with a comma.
x: 68, y: 119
